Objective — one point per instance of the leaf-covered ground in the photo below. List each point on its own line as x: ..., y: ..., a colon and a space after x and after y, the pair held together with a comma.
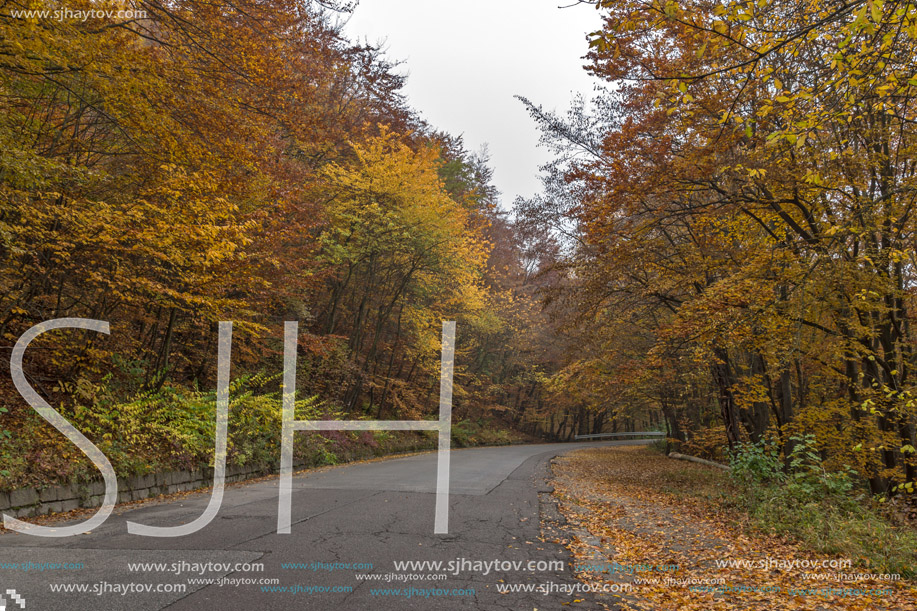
x: 622, y: 529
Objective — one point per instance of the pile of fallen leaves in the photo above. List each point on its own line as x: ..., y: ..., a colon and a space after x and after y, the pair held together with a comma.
x: 676, y: 552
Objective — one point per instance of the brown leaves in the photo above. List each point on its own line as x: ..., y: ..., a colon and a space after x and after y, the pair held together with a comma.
x: 614, y: 501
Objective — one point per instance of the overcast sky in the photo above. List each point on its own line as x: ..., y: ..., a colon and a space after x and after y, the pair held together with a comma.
x: 466, y: 59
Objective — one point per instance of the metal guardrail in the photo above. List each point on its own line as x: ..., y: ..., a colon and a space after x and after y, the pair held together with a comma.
x: 603, y: 435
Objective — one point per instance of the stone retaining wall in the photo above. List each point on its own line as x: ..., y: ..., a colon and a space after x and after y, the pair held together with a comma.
x: 28, y: 502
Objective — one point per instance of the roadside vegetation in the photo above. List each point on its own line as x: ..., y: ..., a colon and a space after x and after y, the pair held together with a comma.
x: 174, y: 429
x: 715, y: 533
x: 823, y: 511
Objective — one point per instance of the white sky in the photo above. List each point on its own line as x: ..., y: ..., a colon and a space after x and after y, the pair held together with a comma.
x: 466, y: 59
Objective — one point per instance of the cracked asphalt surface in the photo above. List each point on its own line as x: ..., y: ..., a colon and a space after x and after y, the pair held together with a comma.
x: 373, y: 513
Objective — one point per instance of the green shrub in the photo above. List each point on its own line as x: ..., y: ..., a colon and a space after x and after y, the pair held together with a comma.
x: 805, y: 501
x: 756, y: 464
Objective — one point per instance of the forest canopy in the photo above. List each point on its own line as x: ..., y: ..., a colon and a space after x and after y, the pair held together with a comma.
x: 168, y: 165
x: 734, y: 217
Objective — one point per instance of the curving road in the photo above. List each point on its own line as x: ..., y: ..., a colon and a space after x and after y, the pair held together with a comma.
x: 376, y: 514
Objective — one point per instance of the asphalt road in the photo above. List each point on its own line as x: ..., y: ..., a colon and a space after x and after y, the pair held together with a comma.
x: 366, y: 514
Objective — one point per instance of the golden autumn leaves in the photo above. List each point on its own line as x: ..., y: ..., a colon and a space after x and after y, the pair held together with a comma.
x: 747, y: 223
x: 205, y: 162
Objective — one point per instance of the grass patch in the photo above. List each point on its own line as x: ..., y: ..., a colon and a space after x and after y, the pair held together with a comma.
x: 805, y: 503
